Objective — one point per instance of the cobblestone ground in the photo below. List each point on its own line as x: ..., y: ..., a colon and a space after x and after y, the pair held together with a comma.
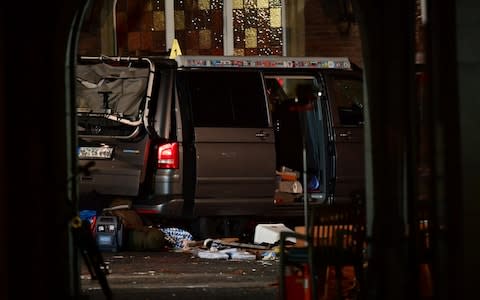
x: 182, y: 275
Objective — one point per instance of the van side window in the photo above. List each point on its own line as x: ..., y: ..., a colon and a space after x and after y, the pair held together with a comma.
x: 348, y: 96
x: 227, y: 99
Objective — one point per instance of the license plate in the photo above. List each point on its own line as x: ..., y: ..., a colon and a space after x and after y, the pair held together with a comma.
x: 95, y: 152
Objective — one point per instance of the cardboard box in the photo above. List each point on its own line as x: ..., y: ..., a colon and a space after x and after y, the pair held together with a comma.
x: 288, y: 175
x: 294, y: 187
x: 270, y: 233
x: 284, y: 198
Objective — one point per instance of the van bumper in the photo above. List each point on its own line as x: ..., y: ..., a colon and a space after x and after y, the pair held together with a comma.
x: 208, y: 207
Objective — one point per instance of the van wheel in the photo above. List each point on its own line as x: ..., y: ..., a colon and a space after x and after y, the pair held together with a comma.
x: 243, y: 228
x: 205, y: 227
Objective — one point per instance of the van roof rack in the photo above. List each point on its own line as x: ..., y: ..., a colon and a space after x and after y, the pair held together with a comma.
x: 263, y: 62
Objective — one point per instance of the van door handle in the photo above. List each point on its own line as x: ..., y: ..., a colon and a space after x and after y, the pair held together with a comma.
x: 345, y: 134
x: 262, y: 134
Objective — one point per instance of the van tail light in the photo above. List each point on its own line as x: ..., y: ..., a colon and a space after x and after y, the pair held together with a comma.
x: 167, y: 156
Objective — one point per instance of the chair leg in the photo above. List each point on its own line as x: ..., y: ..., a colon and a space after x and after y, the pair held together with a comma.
x: 313, y: 282
x: 360, y: 284
x: 321, y: 283
x: 281, y: 279
x: 338, y: 282
x: 425, y: 282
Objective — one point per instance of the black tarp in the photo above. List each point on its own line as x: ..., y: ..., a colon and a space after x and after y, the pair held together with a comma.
x: 125, y: 86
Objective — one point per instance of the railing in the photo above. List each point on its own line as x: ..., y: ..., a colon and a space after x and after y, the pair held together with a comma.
x: 335, y: 237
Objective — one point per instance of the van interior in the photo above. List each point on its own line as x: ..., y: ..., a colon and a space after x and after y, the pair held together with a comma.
x: 297, y: 119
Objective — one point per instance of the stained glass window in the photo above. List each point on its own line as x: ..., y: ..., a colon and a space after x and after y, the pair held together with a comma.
x: 140, y: 27
x: 158, y: 30
x: 202, y: 27
x: 257, y: 27
x: 199, y: 26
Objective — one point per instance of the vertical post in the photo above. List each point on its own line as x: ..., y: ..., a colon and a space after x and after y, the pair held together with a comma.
x: 42, y: 262
x: 108, y: 28
x: 305, y: 192
x: 389, y: 82
x: 228, y: 48
x: 169, y: 23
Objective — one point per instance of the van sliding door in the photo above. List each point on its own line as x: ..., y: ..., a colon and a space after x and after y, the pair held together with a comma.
x: 299, y: 124
x: 345, y: 93
x: 233, y: 139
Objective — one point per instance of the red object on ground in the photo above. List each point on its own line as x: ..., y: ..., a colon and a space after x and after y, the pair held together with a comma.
x: 297, y: 283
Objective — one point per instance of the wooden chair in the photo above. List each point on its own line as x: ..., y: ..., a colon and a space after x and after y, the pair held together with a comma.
x: 335, y: 237
x: 424, y: 246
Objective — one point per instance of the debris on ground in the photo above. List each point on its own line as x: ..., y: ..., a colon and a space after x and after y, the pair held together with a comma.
x: 232, y: 249
x: 218, y: 249
x: 270, y: 233
x: 135, y: 235
x: 176, y: 237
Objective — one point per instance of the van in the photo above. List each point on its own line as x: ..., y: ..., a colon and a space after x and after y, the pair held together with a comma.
x: 208, y: 137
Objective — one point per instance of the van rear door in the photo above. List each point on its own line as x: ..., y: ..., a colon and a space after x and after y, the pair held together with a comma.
x: 116, y: 120
x: 234, y: 142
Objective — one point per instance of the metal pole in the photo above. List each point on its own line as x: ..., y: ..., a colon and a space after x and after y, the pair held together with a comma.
x: 305, y: 194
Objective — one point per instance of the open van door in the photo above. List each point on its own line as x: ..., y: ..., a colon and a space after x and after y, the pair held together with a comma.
x: 300, y: 125
x: 345, y: 94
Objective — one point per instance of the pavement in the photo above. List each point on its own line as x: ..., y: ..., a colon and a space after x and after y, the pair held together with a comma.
x: 181, y: 274
x: 185, y: 269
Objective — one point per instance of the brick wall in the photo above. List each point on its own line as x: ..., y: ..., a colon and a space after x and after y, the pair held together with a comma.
x: 135, y: 35
x: 89, y: 42
x: 323, y: 36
